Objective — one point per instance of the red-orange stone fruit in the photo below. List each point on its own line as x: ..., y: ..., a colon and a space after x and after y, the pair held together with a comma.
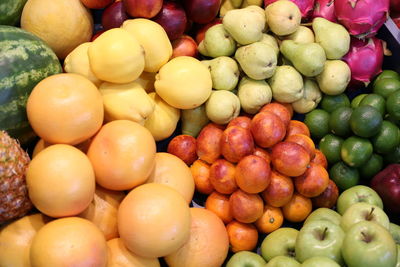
x: 328, y: 198
x: 313, y: 181
x: 220, y: 205
x: 184, y: 147
x: 222, y: 176
x: 242, y: 236
x: 279, y: 191
x: 246, y: 208
x: 267, y: 129
x: 289, y: 158
x: 280, y: 110
x: 209, y: 143
x: 253, y: 174
x: 258, y: 151
x: 320, y: 159
x: 241, y: 121
x: 236, y: 143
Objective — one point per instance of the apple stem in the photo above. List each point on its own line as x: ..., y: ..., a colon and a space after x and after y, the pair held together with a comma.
x: 369, y: 216
x: 324, y: 233
x: 366, y: 238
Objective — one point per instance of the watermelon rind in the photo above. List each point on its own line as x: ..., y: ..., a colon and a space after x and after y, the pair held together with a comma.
x: 10, y: 11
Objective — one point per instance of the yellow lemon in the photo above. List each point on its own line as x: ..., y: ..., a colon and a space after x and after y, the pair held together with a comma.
x: 116, y: 56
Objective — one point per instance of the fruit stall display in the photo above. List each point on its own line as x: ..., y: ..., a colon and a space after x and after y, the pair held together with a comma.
x: 199, y: 133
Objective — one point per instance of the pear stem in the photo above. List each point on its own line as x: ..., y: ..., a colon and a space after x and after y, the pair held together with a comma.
x: 370, y: 214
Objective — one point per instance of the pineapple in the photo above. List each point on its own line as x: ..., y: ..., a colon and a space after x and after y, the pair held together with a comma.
x: 14, y: 200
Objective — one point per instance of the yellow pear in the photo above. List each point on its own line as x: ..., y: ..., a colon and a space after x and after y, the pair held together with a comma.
x: 146, y: 80
x: 162, y: 122
x: 153, y: 38
x: 78, y: 62
x: 126, y: 102
x: 184, y: 82
x: 116, y: 56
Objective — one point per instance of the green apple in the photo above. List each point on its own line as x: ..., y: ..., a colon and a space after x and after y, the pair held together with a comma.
x: 394, y: 230
x: 319, y: 238
x: 398, y: 256
x: 246, y: 259
x: 324, y: 214
x: 279, y: 243
x: 319, y: 261
x: 368, y: 244
x: 364, y: 212
x: 355, y: 194
x: 283, y: 261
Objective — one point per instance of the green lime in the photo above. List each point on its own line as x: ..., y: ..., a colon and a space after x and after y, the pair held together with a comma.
x: 344, y: 176
x: 387, y: 138
x: 392, y: 157
x: 393, y: 105
x: 355, y: 151
x: 385, y: 87
x: 317, y: 122
x: 387, y: 74
x: 339, y: 121
x: 376, y: 101
x: 365, y: 121
x: 330, y: 146
x: 392, y: 120
x: 331, y: 102
x: 371, y: 167
x: 356, y: 101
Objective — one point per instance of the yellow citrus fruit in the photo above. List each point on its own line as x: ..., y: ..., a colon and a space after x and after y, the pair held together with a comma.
x: 62, y: 24
x: 122, y: 154
x: 154, y: 220
x: 70, y: 241
x: 61, y: 181
x: 65, y: 108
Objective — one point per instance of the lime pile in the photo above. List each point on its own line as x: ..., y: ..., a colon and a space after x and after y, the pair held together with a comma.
x: 359, y: 136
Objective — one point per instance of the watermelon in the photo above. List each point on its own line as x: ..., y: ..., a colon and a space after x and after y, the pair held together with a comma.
x: 10, y: 11
x: 25, y: 60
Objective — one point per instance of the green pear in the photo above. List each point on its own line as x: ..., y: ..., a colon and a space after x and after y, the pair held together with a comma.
x: 226, y: 5
x: 217, y: 42
x: 335, y: 77
x: 253, y: 94
x: 311, y: 97
x: 193, y: 120
x: 222, y: 106
x: 245, y: 25
x: 308, y: 59
x: 247, y: 3
x: 283, y: 17
x: 286, y: 84
x: 270, y: 40
x: 224, y: 73
x: 257, y: 60
x: 236, y: 3
x: 333, y: 37
x: 303, y: 35
x: 202, y: 49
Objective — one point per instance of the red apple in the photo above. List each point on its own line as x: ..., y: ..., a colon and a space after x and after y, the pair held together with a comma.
x: 202, y: 11
x: 201, y: 31
x: 142, y: 8
x: 387, y: 184
x: 96, y: 4
x: 113, y: 16
x: 172, y: 18
x: 184, y: 46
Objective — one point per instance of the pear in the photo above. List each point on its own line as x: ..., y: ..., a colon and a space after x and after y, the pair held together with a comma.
x: 270, y: 40
x: 308, y: 59
x: 224, y: 73
x: 236, y: 3
x: 311, y: 97
x: 193, y: 120
x: 253, y: 94
x: 333, y: 37
x: 245, y: 25
x: 246, y: 3
x: 335, y: 77
x: 303, y: 35
x: 222, y: 106
x: 226, y: 5
x: 202, y: 49
x: 283, y: 17
x: 217, y: 42
x: 286, y: 84
x: 258, y: 60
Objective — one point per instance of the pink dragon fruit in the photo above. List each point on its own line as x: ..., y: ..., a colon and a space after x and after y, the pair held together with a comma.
x: 324, y: 9
x: 305, y: 6
x: 365, y: 59
x: 362, y: 18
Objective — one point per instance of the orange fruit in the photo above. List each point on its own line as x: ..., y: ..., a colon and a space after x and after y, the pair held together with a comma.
x: 154, y: 220
x: 208, y: 244
x: 271, y: 220
x: 61, y: 181
x: 267, y: 129
x: 313, y: 182
x: 297, y: 209
x: 65, y: 108
x: 297, y: 127
x: 122, y: 154
x: 172, y: 171
x: 286, y: 105
x: 320, y: 159
x: 222, y: 176
x: 102, y: 211
x: 245, y: 207
x: 280, y: 190
x: 69, y: 241
x: 220, y: 205
x: 258, y: 151
x: 201, y: 175
x: 119, y: 256
x: 16, y: 238
x: 305, y: 141
x: 242, y: 236
x: 290, y: 158
x: 280, y: 110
